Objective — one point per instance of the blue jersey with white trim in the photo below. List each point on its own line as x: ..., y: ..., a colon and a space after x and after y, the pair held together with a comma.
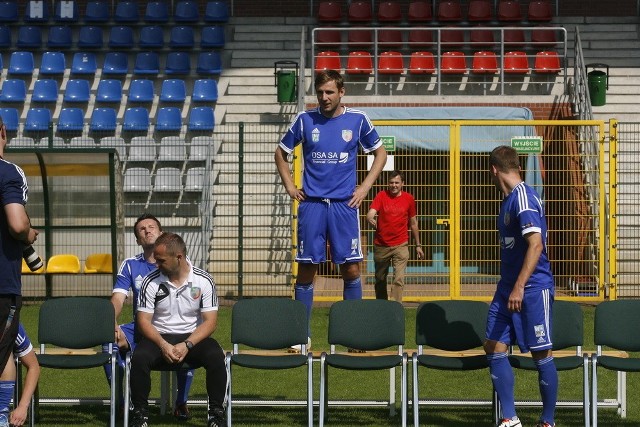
x: 330, y: 148
x: 23, y: 344
x: 522, y: 213
x: 130, y: 275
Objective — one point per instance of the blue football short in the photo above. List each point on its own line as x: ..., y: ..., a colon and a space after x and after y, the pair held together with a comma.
x: 322, y: 220
x: 127, y: 330
x: 530, y: 328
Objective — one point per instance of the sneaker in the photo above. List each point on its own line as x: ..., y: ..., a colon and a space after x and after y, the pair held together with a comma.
x: 544, y: 424
x: 181, y: 412
x: 298, y: 348
x: 216, y: 418
x: 139, y: 418
x: 510, y: 422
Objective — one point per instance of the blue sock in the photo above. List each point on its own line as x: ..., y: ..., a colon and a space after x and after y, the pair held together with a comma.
x: 503, y: 381
x: 304, y: 293
x: 6, y: 393
x: 548, y: 381
x: 185, y: 378
x: 352, y: 289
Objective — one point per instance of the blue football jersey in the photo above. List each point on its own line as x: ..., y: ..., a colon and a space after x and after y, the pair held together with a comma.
x: 330, y: 148
x: 130, y: 275
x: 522, y: 213
x: 23, y: 344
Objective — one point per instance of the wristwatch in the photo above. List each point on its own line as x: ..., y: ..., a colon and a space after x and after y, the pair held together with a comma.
x: 189, y: 344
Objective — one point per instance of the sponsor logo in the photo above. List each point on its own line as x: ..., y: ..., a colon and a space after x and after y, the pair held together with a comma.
x: 315, y: 135
x: 344, y: 157
x: 326, y: 157
x: 539, y: 330
x: 138, y: 282
x: 508, y: 242
x: 347, y: 135
x: 162, y: 292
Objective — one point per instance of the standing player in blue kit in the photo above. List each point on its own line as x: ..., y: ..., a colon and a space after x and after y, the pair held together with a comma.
x: 329, y: 198
x: 520, y: 312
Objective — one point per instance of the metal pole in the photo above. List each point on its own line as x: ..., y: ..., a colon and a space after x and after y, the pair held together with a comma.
x: 240, y: 208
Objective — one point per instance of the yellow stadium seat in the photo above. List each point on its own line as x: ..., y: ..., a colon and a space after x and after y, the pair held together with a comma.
x: 26, y: 270
x: 64, y: 263
x: 98, y: 263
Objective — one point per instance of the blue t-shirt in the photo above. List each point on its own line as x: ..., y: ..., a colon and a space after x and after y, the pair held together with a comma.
x: 13, y: 189
x: 23, y: 344
x: 330, y: 148
x: 130, y: 275
x: 522, y: 213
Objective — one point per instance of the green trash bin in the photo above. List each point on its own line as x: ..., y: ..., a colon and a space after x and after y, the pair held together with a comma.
x: 286, y: 86
x: 598, y: 82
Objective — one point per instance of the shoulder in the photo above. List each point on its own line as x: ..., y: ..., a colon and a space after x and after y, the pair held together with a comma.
x: 203, y: 276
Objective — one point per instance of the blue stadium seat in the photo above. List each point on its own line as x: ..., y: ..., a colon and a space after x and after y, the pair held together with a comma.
x: 37, y: 11
x: 21, y: 63
x: 109, y: 90
x: 186, y: 11
x: 126, y: 11
x: 115, y: 63
x: 141, y: 90
x: 103, y: 119
x: 9, y: 11
x: 136, y: 119
x: 205, y: 90
x: 10, y: 118
x: 201, y: 119
x: 45, y: 90
x: 178, y: 63
x: 5, y: 37
x: 29, y: 37
x: 216, y: 11
x: 97, y: 11
x: 70, y: 120
x: 84, y: 63
x: 151, y: 36
x: 77, y: 90
x: 173, y: 90
x: 59, y: 36
x: 38, y: 119
x: 121, y: 37
x: 147, y: 63
x: 66, y: 11
x: 157, y: 11
x: 168, y: 119
x: 13, y: 90
x: 52, y: 63
x: 90, y: 37
x: 181, y: 37
x: 209, y: 63
x: 212, y: 36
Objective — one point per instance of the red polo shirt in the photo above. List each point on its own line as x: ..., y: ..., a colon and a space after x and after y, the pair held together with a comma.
x: 394, y: 214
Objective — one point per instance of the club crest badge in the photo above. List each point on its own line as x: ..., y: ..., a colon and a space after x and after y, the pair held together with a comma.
x: 195, y: 292
x: 507, y: 218
x: 315, y: 135
x: 347, y: 135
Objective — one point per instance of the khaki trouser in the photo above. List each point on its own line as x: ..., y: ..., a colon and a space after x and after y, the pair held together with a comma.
x: 384, y: 257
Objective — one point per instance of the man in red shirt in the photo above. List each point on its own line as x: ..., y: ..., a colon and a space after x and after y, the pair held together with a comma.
x: 392, y: 212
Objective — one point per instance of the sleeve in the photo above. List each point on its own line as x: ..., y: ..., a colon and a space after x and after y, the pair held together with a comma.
x: 412, y: 207
x: 123, y: 279
x: 531, y: 217
x: 369, y: 138
x: 209, y: 301
x: 23, y: 344
x: 294, y: 135
x: 13, y: 188
x: 147, y: 296
x: 377, y: 202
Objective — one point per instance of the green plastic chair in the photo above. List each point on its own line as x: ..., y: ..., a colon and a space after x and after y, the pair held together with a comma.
x: 567, y: 331
x: 269, y: 324
x: 368, y: 325
x: 451, y: 326
x: 78, y: 323
x: 616, y: 327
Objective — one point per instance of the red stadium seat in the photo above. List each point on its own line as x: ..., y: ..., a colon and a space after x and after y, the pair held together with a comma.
x: 390, y: 63
x: 328, y: 60
x: 547, y: 62
x: 360, y: 38
x: 389, y: 11
x: 453, y: 63
x: 326, y: 38
x: 543, y: 38
x: 509, y: 11
x: 422, y: 63
x: 515, y: 62
x: 329, y: 11
x: 420, y: 12
x: 484, y: 62
x: 389, y: 39
x: 359, y: 62
x: 479, y: 11
x: 420, y: 38
x: 540, y: 11
x: 360, y: 11
x: 514, y: 37
x: 481, y: 38
x: 449, y: 11
x: 451, y: 38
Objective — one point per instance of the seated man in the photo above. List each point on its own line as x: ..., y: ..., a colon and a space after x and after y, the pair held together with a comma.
x: 177, y: 313
x: 23, y: 350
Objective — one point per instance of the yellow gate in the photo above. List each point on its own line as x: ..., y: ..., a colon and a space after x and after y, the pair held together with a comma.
x: 445, y: 164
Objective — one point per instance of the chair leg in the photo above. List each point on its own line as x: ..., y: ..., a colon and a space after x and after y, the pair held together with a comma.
x: 323, y: 403
x: 392, y: 392
x: 309, y: 390
x: 404, y: 390
x: 585, y: 392
x: 114, y: 386
x: 594, y: 390
x: 127, y: 390
x: 414, y: 390
x: 228, y: 363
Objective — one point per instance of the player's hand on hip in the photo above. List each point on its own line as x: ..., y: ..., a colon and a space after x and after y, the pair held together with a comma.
x: 296, y: 194
x: 358, y: 196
